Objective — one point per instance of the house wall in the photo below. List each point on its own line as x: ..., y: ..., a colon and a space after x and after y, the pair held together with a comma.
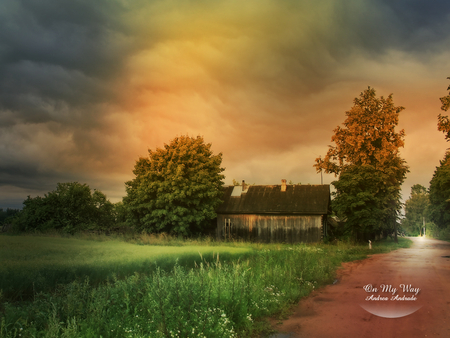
x: 270, y: 228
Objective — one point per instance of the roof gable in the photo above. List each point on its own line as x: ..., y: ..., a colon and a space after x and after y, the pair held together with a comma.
x: 269, y: 199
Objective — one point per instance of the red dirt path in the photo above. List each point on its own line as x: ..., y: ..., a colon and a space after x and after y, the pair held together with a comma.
x: 336, y: 310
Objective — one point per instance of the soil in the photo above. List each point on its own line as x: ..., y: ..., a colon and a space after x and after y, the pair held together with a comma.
x: 405, y: 293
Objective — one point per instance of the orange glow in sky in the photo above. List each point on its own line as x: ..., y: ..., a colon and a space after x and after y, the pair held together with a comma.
x: 88, y: 89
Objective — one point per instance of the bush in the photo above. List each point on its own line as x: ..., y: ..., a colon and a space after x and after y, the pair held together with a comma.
x: 70, y: 208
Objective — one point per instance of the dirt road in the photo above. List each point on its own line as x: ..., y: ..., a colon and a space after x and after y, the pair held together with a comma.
x: 405, y: 293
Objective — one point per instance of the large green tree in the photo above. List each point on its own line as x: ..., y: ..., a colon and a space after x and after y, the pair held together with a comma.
x: 176, y: 189
x: 367, y: 160
x: 416, y: 208
x: 440, y: 194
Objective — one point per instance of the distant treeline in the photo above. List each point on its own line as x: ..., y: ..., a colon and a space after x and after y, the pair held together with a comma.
x: 72, y: 207
x: 176, y: 191
x: 8, y: 214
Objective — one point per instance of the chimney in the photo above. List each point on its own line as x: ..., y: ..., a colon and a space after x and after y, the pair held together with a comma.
x: 283, y: 185
x: 243, y: 185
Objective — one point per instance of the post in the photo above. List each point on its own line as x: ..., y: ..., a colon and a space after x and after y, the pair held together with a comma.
x: 321, y: 177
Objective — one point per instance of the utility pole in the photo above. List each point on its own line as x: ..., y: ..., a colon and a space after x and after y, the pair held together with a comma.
x: 321, y: 177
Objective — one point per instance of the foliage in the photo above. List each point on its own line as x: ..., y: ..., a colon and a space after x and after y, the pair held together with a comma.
x: 432, y: 230
x: 446, y: 100
x: 366, y: 158
x: 443, y: 121
x: 120, y: 211
x: 71, y: 208
x: 440, y: 194
x: 217, y: 298
x: 176, y: 189
x: 7, y: 215
x: 440, y: 183
x: 368, y: 136
x: 236, y: 183
x: 444, y: 126
x: 364, y: 199
x: 416, y: 208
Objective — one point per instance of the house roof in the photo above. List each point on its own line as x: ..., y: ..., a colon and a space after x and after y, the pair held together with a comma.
x: 269, y: 199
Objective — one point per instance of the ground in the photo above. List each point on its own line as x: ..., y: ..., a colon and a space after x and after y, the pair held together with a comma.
x: 415, y: 301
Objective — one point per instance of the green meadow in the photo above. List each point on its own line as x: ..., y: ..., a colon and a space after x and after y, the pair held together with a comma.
x: 30, y: 264
x: 158, y: 287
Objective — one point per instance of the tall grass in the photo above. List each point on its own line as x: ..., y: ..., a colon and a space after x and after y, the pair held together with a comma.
x: 215, y: 298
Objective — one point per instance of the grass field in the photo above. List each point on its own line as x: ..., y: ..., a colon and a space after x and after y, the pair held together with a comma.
x: 222, y: 292
x: 30, y: 264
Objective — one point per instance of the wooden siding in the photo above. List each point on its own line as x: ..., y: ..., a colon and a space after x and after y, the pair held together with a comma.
x: 270, y: 228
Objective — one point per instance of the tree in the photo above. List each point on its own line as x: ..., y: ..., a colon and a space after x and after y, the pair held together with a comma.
x: 440, y: 194
x: 416, y: 208
x: 363, y: 198
x: 440, y: 183
x: 70, y: 208
x: 366, y: 158
x: 6, y: 215
x: 443, y: 121
x: 177, y: 188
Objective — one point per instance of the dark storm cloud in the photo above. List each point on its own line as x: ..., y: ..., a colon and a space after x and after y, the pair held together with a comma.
x: 42, y: 92
x: 409, y: 25
x: 421, y: 24
x: 29, y: 177
x: 75, y: 35
x: 56, y: 61
x: 58, y: 54
x: 86, y: 86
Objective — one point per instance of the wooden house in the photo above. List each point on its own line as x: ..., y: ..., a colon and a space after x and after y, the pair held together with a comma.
x: 274, y: 213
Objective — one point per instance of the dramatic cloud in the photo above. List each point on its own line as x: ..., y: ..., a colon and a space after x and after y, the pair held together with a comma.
x: 87, y: 87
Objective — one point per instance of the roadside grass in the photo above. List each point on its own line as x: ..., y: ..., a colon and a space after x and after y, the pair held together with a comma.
x: 212, y: 297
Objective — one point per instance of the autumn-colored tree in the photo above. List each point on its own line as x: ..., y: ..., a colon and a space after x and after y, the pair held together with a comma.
x: 443, y: 121
x: 367, y: 160
x: 416, y: 208
x: 177, y: 188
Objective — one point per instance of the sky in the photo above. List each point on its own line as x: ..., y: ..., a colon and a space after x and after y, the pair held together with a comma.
x: 88, y: 86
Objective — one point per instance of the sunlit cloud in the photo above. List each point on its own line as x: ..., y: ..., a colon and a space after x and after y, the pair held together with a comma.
x: 88, y: 87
